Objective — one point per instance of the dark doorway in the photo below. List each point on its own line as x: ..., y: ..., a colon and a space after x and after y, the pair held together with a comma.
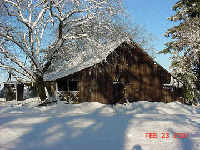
x: 118, y: 92
x: 62, y: 85
x: 73, y: 85
x: 20, y: 91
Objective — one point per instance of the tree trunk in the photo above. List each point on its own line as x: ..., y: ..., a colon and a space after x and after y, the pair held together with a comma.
x: 41, y: 88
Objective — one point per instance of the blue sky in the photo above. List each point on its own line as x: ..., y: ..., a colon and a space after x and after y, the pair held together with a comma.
x: 153, y: 15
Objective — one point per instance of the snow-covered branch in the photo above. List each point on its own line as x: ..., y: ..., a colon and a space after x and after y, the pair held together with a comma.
x: 49, y: 32
x: 13, y: 36
x: 19, y: 14
x: 14, y: 59
x: 15, y: 69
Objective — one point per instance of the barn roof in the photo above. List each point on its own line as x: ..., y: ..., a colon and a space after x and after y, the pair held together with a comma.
x: 81, y: 62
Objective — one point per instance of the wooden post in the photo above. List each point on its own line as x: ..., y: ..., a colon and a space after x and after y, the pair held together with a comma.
x: 56, y: 94
x: 47, y: 94
x: 16, y: 90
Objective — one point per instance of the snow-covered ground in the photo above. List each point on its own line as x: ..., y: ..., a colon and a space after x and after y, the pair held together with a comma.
x: 95, y: 126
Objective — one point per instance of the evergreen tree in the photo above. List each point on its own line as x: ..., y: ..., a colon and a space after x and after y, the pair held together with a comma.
x: 185, y: 46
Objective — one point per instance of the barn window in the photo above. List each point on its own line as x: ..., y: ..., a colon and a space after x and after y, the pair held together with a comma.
x: 73, y: 86
x: 62, y: 86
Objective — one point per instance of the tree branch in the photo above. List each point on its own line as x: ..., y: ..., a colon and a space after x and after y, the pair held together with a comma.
x: 16, y: 61
x: 13, y: 68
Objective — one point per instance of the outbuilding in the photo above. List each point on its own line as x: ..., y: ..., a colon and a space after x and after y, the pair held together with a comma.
x: 13, y: 91
x: 126, y: 73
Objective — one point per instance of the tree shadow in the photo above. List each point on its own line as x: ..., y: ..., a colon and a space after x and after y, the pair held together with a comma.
x: 104, y: 127
x: 95, y: 130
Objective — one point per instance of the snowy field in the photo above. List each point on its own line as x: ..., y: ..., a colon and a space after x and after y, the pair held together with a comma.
x: 95, y: 126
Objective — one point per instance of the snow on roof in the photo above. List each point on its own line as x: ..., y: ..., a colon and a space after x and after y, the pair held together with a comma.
x: 88, y: 59
x: 83, y: 61
x: 10, y: 82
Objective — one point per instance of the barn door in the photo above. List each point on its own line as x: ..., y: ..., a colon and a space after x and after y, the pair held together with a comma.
x: 20, y: 90
x: 118, y: 92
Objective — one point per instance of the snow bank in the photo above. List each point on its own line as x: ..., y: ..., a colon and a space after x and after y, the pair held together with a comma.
x: 97, y: 126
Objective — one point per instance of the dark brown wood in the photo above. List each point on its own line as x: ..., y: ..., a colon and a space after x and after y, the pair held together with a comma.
x: 10, y: 91
x: 20, y: 91
x: 13, y: 91
x: 141, y: 76
x: 118, y: 92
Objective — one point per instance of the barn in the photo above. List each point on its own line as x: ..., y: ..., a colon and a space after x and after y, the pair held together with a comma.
x: 125, y: 73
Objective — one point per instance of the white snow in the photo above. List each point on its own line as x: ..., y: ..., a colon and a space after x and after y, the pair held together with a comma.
x: 90, y: 126
x: 81, y: 61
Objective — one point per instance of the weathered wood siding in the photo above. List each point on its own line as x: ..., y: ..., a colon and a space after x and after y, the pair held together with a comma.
x: 143, y: 78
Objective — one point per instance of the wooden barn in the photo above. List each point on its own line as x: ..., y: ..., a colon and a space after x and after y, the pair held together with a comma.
x: 126, y: 73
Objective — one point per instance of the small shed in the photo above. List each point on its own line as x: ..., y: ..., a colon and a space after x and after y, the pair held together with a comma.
x: 13, y: 90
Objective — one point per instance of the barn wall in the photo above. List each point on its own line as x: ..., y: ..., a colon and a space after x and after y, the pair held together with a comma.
x: 93, y: 86
x: 143, y: 79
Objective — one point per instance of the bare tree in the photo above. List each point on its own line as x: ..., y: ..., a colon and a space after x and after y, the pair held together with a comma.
x: 28, y: 46
x: 36, y: 36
